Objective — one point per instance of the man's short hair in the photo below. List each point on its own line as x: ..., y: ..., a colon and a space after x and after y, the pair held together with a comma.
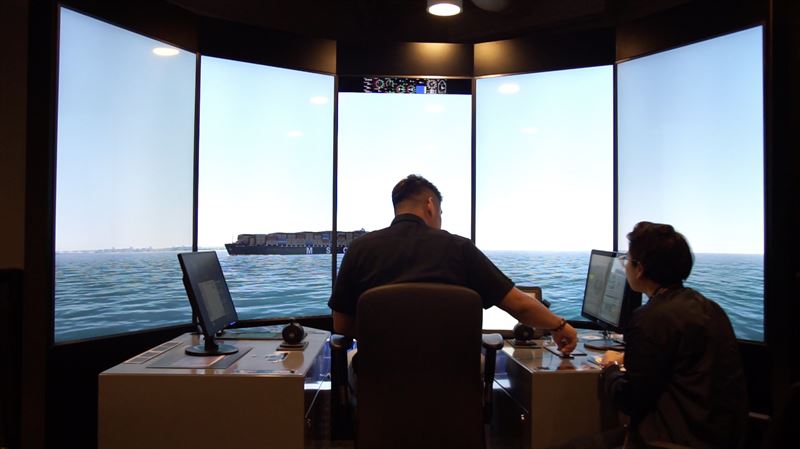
x: 411, y: 186
x: 663, y: 252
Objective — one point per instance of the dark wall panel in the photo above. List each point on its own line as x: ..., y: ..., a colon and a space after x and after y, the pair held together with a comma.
x: 251, y: 44
x: 782, y: 163
x: 13, y: 33
x: 10, y: 355
x: 37, y: 307
x: 543, y: 53
x: 404, y: 59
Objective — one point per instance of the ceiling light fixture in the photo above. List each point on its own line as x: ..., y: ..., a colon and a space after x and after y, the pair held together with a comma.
x: 444, y: 7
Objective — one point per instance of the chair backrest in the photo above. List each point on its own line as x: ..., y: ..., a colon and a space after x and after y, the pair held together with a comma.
x: 418, y: 368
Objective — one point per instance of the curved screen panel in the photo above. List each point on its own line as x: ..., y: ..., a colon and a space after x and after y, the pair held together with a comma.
x: 124, y: 179
x: 384, y: 137
x: 691, y: 154
x: 265, y: 185
x: 544, y: 177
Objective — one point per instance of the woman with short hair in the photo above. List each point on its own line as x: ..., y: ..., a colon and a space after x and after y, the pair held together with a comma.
x: 680, y: 379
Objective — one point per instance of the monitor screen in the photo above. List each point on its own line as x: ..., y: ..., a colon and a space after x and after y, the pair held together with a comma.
x: 608, y: 299
x: 211, y: 301
x: 498, y: 320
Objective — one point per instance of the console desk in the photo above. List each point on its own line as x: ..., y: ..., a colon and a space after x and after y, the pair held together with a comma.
x: 542, y: 400
x: 265, y: 399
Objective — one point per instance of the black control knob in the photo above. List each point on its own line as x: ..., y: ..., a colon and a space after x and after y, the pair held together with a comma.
x: 523, y: 332
x: 293, y: 333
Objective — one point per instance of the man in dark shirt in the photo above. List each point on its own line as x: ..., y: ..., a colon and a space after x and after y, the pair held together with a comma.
x: 415, y: 249
x: 683, y: 381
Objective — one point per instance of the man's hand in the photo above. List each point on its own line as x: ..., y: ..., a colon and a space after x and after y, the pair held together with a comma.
x: 527, y: 309
x: 566, y: 339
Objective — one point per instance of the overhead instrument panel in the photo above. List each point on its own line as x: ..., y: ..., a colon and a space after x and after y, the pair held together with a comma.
x: 401, y: 85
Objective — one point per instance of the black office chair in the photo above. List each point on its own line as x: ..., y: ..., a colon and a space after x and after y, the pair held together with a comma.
x: 781, y: 432
x: 418, y: 368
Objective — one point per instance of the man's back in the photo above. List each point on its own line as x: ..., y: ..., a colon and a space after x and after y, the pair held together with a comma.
x: 411, y: 251
x: 415, y: 249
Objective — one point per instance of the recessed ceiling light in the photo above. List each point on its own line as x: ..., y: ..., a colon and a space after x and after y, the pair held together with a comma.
x: 444, y: 7
x: 165, y: 51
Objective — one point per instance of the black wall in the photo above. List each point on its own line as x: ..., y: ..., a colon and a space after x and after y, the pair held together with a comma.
x: 783, y: 190
x: 37, y: 307
x: 10, y: 355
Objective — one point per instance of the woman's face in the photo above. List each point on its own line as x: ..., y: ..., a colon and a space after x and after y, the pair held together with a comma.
x: 633, y: 272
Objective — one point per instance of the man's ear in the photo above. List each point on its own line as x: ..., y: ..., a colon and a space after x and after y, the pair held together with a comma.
x: 430, y: 206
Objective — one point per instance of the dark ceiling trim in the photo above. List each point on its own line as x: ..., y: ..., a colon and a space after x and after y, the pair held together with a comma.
x: 540, y: 53
x: 410, y: 59
x: 685, y: 25
x: 247, y: 43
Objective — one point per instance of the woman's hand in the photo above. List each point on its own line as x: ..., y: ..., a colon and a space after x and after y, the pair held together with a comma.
x: 612, y: 358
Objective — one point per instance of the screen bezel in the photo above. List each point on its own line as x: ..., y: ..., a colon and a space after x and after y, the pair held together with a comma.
x: 628, y: 303
x: 210, y: 260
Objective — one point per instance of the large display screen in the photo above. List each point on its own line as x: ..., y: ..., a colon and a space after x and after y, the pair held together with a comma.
x: 125, y: 149
x: 385, y: 137
x: 690, y: 133
x: 691, y: 154
x: 544, y: 170
x: 265, y: 185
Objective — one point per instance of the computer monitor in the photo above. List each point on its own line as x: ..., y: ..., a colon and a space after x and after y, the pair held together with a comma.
x: 211, y: 301
x: 497, y: 320
x: 608, y: 300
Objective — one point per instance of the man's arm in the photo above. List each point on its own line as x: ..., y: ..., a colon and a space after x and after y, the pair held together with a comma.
x: 344, y: 324
x: 530, y: 311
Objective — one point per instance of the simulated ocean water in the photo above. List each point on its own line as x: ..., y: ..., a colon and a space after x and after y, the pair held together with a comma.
x: 115, y: 292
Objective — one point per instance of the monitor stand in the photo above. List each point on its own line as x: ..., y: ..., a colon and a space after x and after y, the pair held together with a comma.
x: 605, y: 343
x: 210, y: 347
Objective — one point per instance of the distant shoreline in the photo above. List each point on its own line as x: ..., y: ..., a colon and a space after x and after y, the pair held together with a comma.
x: 137, y: 250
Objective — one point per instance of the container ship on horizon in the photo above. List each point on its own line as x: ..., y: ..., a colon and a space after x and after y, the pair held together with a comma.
x: 283, y: 243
